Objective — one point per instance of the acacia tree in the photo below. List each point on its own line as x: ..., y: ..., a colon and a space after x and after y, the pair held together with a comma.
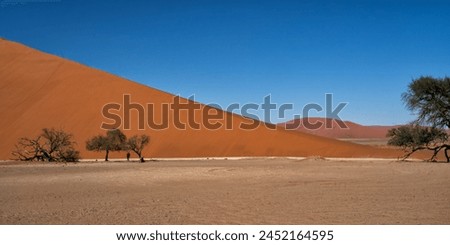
x: 137, y: 143
x: 114, y: 140
x: 429, y: 99
x: 413, y: 138
x: 51, y: 145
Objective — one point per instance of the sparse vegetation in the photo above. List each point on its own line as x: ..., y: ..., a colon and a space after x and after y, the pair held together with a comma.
x: 413, y: 138
x: 51, y: 145
x: 429, y: 98
x: 114, y: 140
x: 137, y: 143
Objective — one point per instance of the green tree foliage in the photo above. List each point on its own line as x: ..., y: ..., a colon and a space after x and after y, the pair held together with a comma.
x: 51, y: 145
x: 114, y: 140
x: 414, y: 137
x: 429, y: 99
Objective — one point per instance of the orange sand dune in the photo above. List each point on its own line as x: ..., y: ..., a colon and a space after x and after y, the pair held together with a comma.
x: 334, y: 129
x: 39, y: 90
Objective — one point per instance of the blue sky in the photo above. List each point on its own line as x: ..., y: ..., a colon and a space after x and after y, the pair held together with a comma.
x: 364, y: 52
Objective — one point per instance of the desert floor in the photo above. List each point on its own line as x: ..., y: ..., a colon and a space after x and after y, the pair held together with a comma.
x: 248, y: 191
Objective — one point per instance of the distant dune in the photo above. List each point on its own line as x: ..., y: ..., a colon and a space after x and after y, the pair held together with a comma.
x: 40, y: 90
x: 332, y: 128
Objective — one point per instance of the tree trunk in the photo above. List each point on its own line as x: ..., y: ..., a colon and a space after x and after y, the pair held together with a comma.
x: 106, y: 156
x: 446, y: 154
x: 141, y: 158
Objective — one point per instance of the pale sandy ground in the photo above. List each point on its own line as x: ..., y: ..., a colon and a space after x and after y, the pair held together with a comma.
x: 247, y: 191
x: 367, y: 141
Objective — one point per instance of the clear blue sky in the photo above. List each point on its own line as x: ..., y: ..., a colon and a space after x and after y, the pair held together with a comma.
x: 364, y: 52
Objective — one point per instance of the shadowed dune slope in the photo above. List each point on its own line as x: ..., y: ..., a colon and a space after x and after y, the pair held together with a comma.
x: 40, y: 90
x: 332, y: 128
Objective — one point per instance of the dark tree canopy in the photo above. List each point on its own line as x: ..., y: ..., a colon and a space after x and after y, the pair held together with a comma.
x: 114, y: 140
x: 51, y: 145
x: 96, y: 143
x: 430, y: 98
x: 414, y: 137
x: 137, y: 143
